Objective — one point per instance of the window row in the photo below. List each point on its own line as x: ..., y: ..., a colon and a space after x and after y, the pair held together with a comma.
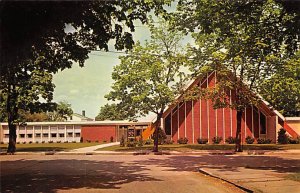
x: 38, y: 135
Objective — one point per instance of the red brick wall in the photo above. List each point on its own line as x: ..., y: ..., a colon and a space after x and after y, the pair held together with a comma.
x: 98, y: 132
x: 189, y: 126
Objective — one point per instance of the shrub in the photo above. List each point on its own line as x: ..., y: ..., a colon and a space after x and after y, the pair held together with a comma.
x: 168, y: 141
x: 50, y: 142
x: 1, y: 142
x: 88, y: 141
x: 37, y: 142
x: 81, y: 139
x: 249, y: 140
x: 17, y: 142
x: 131, y: 144
x: 97, y: 141
x: 282, y: 137
x: 140, y: 142
x: 24, y: 142
x: 263, y: 141
x: 122, y: 141
x: 230, y: 140
x: 30, y: 142
x: 202, y: 141
x: 74, y: 142
x: 104, y: 141
x: 66, y: 142
x: 111, y: 139
x: 58, y: 142
x: 148, y: 142
x: 217, y: 140
x: 161, y: 136
x: 294, y: 140
x: 182, y: 140
x: 43, y: 141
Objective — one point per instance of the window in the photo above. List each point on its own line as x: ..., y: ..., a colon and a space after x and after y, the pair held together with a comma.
x: 29, y: 135
x: 37, y: 135
x: 22, y: 135
x: 45, y: 135
x: 53, y: 134
x: 138, y: 132
x: 77, y: 134
x: 263, y: 127
x: 70, y: 134
x: 168, y: 125
x: 61, y: 135
x: 37, y: 127
x: 6, y: 136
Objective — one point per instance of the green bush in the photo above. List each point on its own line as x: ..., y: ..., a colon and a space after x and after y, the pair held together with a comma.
x: 168, y: 141
x: 43, y: 141
x: 148, y: 142
x: 30, y: 142
x: 17, y: 142
x: 230, y: 140
x: 24, y: 142
x: 263, y: 141
x: 131, y: 144
x: 37, y: 142
x: 249, y: 140
x: 58, y: 142
x: 294, y: 140
x: 217, y: 140
x: 88, y: 141
x: 140, y: 142
x: 50, y: 141
x: 111, y: 139
x: 104, y: 141
x: 97, y: 141
x: 66, y: 142
x: 282, y: 137
x: 122, y: 142
x: 182, y: 140
x: 73, y: 141
x: 81, y: 139
x: 202, y: 141
x: 161, y: 136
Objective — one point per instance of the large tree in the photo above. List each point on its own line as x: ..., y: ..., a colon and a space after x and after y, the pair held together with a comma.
x: 282, y: 89
x: 149, y: 77
x: 39, y: 38
x: 244, y: 41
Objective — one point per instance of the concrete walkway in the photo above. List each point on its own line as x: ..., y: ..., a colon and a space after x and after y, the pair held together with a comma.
x: 93, y: 148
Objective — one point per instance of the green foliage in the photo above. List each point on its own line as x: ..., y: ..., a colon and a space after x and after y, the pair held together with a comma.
x: 217, y: 140
x: 182, y: 140
x: 146, y: 80
x: 202, y: 141
x: 111, y: 139
x: 161, y: 136
x: 62, y: 111
x: 113, y: 112
x: 41, y: 38
x: 282, y: 89
x: 263, y: 141
x: 282, y: 137
x: 230, y: 140
x: 249, y: 140
x: 148, y: 142
x: 140, y: 142
x: 131, y: 144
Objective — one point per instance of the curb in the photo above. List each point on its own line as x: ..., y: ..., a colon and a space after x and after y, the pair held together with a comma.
x: 225, y: 180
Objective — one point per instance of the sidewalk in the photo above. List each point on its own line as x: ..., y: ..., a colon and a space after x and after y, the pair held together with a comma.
x: 257, y: 173
x: 92, y: 148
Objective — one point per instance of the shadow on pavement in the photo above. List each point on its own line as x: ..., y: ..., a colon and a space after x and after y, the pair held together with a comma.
x: 64, y: 174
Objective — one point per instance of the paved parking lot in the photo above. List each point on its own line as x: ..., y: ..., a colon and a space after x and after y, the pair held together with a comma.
x: 106, y: 173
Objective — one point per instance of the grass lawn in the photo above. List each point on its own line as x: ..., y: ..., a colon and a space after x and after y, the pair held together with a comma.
x: 295, y: 176
x: 187, y: 148
x: 35, y: 147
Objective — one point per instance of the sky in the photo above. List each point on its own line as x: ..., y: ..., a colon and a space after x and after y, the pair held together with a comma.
x: 84, y: 88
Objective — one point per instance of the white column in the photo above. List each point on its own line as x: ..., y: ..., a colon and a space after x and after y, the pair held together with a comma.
x: 49, y: 133
x: 65, y: 132
x: 73, y: 133
x: 193, y: 127
x: 171, y: 124
x: 178, y: 120
x: 252, y: 120
x: 245, y: 123
x: 184, y: 118
x: 33, y: 134
x: 230, y: 102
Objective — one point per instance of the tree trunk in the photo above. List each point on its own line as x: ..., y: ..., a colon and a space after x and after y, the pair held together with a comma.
x: 12, y: 114
x: 238, y: 146
x: 157, y: 127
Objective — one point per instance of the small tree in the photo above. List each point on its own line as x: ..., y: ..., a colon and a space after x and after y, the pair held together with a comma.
x: 149, y: 77
x: 282, y: 137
